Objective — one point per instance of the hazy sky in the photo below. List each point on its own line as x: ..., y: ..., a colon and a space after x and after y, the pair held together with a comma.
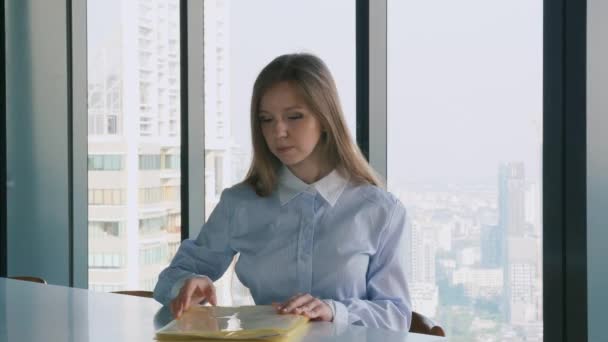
x: 465, y: 88
x: 464, y: 78
x: 264, y: 29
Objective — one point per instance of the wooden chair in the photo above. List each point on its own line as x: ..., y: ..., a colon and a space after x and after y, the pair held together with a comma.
x: 424, y: 325
x: 27, y: 278
x: 146, y: 294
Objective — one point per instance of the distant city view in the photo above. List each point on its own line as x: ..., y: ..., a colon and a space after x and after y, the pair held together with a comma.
x: 467, y: 168
x: 475, y: 256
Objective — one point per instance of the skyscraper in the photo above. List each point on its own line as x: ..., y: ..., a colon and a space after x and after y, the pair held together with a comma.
x: 511, y: 200
x: 519, y: 252
x: 491, y: 246
x: 218, y: 140
x: 134, y: 144
x: 424, y: 249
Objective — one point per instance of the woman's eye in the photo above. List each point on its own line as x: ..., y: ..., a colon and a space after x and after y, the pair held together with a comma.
x: 264, y: 119
x: 295, y: 116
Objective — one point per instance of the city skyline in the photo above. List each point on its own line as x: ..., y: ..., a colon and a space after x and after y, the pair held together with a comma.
x: 466, y: 269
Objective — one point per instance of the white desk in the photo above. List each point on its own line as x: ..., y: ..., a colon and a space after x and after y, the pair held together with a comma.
x: 33, y: 312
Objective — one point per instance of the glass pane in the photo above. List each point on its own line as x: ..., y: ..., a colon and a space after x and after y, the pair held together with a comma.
x: 240, y: 38
x: 464, y: 156
x: 133, y: 61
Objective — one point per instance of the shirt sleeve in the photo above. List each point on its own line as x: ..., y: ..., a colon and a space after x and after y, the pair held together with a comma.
x: 388, y: 304
x: 209, y: 255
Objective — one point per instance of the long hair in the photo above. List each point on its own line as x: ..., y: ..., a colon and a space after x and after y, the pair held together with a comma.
x: 311, y: 77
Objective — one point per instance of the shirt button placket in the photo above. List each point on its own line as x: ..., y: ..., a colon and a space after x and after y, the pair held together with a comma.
x: 305, y: 244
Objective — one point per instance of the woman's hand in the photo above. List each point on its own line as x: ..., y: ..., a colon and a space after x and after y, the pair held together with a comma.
x: 194, y: 291
x: 306, y: 305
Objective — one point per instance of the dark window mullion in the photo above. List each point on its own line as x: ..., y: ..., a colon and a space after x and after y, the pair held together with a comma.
x: 575, y: 169
x: 184, y: 198
x: 564, y: 171
x: 3, y: 177
x: 362, y: 76
x: 192, y: 118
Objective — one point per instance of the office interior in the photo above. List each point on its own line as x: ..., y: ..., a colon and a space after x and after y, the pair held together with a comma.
x: 140, y: 134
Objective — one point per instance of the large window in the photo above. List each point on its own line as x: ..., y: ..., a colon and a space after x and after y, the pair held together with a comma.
x: 133, y: 141
x: 240, y: 38
x: 464, y: 156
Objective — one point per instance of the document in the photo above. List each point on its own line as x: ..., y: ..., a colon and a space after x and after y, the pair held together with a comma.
x: 231, y: 323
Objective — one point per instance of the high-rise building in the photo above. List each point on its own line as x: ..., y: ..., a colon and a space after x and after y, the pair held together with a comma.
x: 218, y: 140
x: 134, y: 145
x: 479, y: 282
x: 491, y: 246
x: 511, y: 201
x: 523, y: 277
x: 533, y: 209
x: 520, y: 251
x: 421, y: 271
x: 424, y: 249
x: 425, y: 298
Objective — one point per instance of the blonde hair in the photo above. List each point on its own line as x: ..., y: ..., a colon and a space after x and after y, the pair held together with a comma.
x: 311, y: 77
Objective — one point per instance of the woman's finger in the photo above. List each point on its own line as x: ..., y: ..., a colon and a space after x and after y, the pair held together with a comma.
x: 176, y: 305
x: 180, y: 308
x: 213, y: 296
x: 189, y: 294
x: 308, y: 305
x: 290, y: 306
x: 315, y: 311
x: 185, y: 295
x: 281, y: 306
x: 285, y: 307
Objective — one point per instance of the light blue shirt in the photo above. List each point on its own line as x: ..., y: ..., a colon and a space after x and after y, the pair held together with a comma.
x: 339, y: 241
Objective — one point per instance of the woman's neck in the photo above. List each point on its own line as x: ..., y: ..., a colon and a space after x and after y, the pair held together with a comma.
x: 310, y: 173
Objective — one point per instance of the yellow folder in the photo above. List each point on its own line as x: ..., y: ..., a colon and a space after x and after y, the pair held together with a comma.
x: 232, y: 323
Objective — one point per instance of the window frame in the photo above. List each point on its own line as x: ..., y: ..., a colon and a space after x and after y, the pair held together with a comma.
x: 3, y: 170
x: 564, y: 149
x: 564, y: 154
x: 78, y: 244
x: 565, y: 170
x: 192, y: 122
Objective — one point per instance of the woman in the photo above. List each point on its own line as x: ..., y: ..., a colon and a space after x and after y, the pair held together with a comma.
x: 314, y: 230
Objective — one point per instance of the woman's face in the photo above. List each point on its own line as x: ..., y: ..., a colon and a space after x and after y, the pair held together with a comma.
x: 289, y: 127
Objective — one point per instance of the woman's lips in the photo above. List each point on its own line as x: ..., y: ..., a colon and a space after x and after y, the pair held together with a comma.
x: 284, y: 149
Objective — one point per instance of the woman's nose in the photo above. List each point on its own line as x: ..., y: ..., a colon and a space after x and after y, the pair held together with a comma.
x: 280, y: 129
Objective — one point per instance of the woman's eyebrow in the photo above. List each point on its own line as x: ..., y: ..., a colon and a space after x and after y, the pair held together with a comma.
x: 292, y: 108
x: 263, y: 111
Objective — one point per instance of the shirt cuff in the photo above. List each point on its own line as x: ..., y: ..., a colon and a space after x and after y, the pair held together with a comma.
x: 330, y: 303
x: 178, y: 284
x: 339, y: 311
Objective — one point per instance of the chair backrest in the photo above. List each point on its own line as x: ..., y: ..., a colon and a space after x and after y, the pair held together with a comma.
x: 424, y: 325
x: 28, y: 278
x: 147, y: 294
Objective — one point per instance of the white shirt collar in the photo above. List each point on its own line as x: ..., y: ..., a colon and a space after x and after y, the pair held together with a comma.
x: 329, y: 187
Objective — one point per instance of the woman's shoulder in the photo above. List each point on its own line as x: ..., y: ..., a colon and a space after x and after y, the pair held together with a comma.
x: 243, y: 198
x: 239, y: 192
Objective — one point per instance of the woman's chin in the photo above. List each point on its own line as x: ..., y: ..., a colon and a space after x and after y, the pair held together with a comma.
x: 287, y: 161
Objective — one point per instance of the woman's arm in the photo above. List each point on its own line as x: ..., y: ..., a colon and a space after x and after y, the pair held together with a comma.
x: 388, y: 305
x: 207, y: 256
